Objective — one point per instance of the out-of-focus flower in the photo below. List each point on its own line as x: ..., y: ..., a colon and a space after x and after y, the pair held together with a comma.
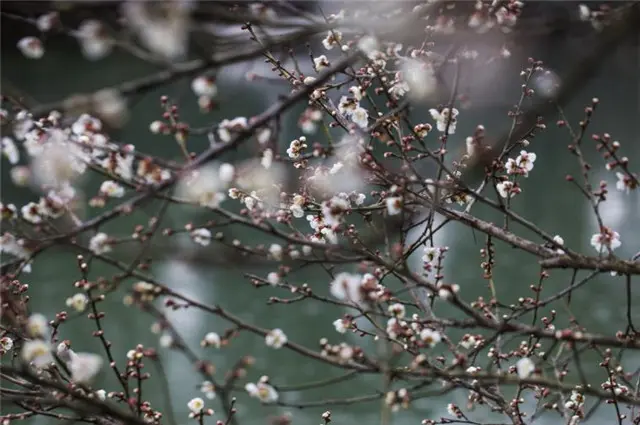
x: 394, y: 205
x: 208, y: 389
x: 94, y: 40
x: 31, y: 47
x: 262, y: 391
x: 37, y: 352
x: 211, y: 339
x: 204, y: 86
x: 10, y: 151
x: 201, y: 236
x: 347, y: 287
x: 100, y: 244
x: 112, y: 189
x: 111, y: 107
x: 165, y: 34
x: 525, y: 367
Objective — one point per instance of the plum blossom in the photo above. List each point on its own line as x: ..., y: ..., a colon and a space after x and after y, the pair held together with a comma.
x: 204, y: 186
x: 204, y: 86
x: 394, y: 205
x: 37, y: 326
x: 112, y: 189
x: 227, y: 128
x: 6, y: 344
x: 347, y: 287
x: 273, y: 278
x: 525, y: 367
x: 32, y: 213
x: 196, y: 405
x: 508, y: 189
x: 320, y: 63
x: 296, y: 147
x: 37, y: 352
x: 95, y: 42
x: 607, y: 239
x: 208, y: 389
x: 262, y: 391
x: 211, y: 339
x: 84, y: 366
x: 100, y: 244
x: 341, y: 325
x: 276, y: 338
x: 332, y: 39
x: 78, y: 302
x: 430, y: 337
x: 10, y: 151
x: 444, y: 118
x: 625, y: 183
x: 201, y: 236
x: 31, y: 47
x: 360, y: 117
x: 525, y: 162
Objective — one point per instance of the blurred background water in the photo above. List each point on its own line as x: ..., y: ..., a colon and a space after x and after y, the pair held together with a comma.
x: 555, y: 205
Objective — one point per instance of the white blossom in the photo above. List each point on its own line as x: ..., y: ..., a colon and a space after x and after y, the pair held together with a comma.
x: 212, y: 339
x: 525, y: 367
x: 444, y: 118
x: 112, y: 189
x: 430, y: 337
x: 208, y: 389
x: 276, y: 338
x: 78, y: 302
x: 99, y: 244
x: 273, y: 278
x: 360, y: 117
x: 10, y: 151
x: 607, y: 239
x: 276, y: 251
x: 394, y: 205
x: 262, y: 391
x: 84, y: 366
x: 32, y: 213
x: 37, y: 326
x: 37, y: 352
x: 332, y: 39
x: 340, y: 325
x: 525, y: 161
x: 625, y: 183
x: 507, y: 189
x: 196, y: 405
x: 347, y: 287
x: 95, y: 42
x: 204, y: 86
x: 31, y: 47
x: 201, y: 236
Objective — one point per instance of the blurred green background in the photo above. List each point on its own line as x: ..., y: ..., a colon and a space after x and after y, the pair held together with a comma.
x: 555, y: 205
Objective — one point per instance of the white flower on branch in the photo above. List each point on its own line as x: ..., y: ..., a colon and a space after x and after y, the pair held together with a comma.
x: 100, y: 244
x: 37, y: 326
x: 204, y: 86
x: 37, y: 353
x: 208, y: 389
x: 508, y: 189
x: 525, y: 367
x: 201, y: 236
x: 10, y: 151
x: 276, y: 338
x: 333, y: 38
x: 444, y: 118
x: 31, y: 47
x: 394, y: 205
x: 95, y: 42
x: 78, y: 302
x: 211, y: 339
x: 430, y: 337
x: 347, y: 287
x: 196, y: 405
x: 262, y: 391
x: 112, y: 189
x: 607, y: 239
